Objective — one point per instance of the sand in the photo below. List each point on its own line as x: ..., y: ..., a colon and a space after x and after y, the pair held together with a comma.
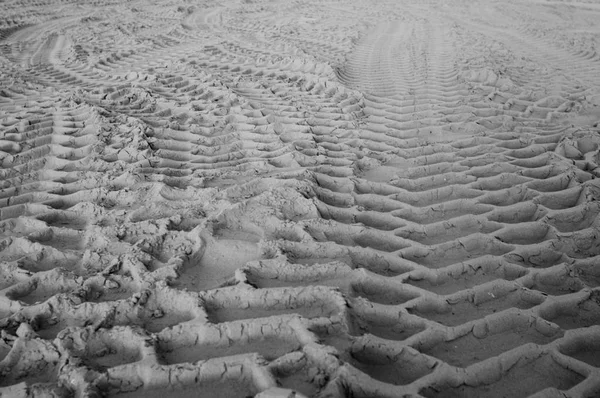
x: 299, y: 198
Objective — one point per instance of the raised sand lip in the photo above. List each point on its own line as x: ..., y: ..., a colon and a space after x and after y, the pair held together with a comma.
x: 299, y: 199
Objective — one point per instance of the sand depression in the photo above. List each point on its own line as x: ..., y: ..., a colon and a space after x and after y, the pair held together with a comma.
x: 321, y: 198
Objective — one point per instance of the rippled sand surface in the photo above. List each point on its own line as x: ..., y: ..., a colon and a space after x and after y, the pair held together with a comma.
x: 320, y: 198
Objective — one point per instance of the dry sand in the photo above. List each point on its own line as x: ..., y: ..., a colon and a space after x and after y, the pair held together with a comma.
x: 321, y: 198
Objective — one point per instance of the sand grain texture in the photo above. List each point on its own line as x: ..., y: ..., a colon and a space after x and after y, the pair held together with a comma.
x: 305, y: 198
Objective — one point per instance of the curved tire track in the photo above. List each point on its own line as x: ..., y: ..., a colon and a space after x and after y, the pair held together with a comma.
x: 214, y: 201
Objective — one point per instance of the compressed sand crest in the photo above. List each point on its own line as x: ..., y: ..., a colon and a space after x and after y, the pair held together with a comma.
x: 313, y: 198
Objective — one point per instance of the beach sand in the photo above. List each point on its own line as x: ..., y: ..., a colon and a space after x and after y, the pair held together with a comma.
x: 299, y: 198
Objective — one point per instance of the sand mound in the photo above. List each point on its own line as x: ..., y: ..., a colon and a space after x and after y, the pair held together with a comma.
x: 281, y: 199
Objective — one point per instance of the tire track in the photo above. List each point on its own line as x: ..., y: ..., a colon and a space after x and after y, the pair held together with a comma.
x: 211, y: 199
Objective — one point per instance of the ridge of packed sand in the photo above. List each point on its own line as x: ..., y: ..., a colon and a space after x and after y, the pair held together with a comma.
x: 326, y: 199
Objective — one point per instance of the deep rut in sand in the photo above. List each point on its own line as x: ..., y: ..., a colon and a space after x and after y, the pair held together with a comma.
x: 366, y: 199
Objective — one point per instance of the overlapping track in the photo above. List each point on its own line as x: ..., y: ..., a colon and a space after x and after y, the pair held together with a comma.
x: 341, y: 199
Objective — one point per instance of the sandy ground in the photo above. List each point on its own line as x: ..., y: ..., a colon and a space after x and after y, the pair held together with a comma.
x: 321, y: 198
